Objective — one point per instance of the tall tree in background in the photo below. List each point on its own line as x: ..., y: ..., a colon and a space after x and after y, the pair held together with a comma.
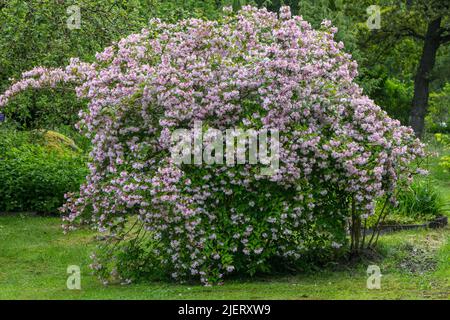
x: 425, y: 21
x: 436, y: 35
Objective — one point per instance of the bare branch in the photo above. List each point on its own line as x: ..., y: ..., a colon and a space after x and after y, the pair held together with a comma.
x: 444, y: 39
x: 411, y: 33
x: 444, y: 35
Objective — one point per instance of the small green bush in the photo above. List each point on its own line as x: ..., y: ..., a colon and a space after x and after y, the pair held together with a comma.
x: 443, y: 143
x: 34, y: 176
x: 395, y: 97
x: 438, y: 118
x: 421, y: 201
x: 445, y: 163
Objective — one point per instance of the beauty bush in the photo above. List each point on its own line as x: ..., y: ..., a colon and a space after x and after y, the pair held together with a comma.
x: 250, y: 70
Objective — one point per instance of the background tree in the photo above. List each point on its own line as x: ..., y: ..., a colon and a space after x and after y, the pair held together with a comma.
x: 426, y: 23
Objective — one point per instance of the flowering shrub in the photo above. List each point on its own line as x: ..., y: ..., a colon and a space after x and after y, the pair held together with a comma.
x: 339, y: 152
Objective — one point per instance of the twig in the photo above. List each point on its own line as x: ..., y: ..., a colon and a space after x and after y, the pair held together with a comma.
x: 378, y: 221
x: 364, y: 234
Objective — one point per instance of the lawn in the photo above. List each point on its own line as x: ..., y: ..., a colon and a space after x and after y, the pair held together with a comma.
x: 34, y: 255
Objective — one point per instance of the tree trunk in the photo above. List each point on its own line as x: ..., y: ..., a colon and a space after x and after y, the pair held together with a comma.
x: 355, y: 230
x: 422, y: 79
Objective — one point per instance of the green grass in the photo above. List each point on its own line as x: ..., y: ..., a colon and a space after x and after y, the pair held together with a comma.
x: 34, y: 255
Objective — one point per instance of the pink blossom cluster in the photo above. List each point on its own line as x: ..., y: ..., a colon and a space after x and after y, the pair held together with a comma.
x: 252, y: 69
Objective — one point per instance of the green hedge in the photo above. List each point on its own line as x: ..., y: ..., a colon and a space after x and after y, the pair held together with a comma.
x: 35, y: 175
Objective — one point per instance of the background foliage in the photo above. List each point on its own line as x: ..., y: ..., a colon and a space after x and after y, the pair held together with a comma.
x: 37, y: 169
